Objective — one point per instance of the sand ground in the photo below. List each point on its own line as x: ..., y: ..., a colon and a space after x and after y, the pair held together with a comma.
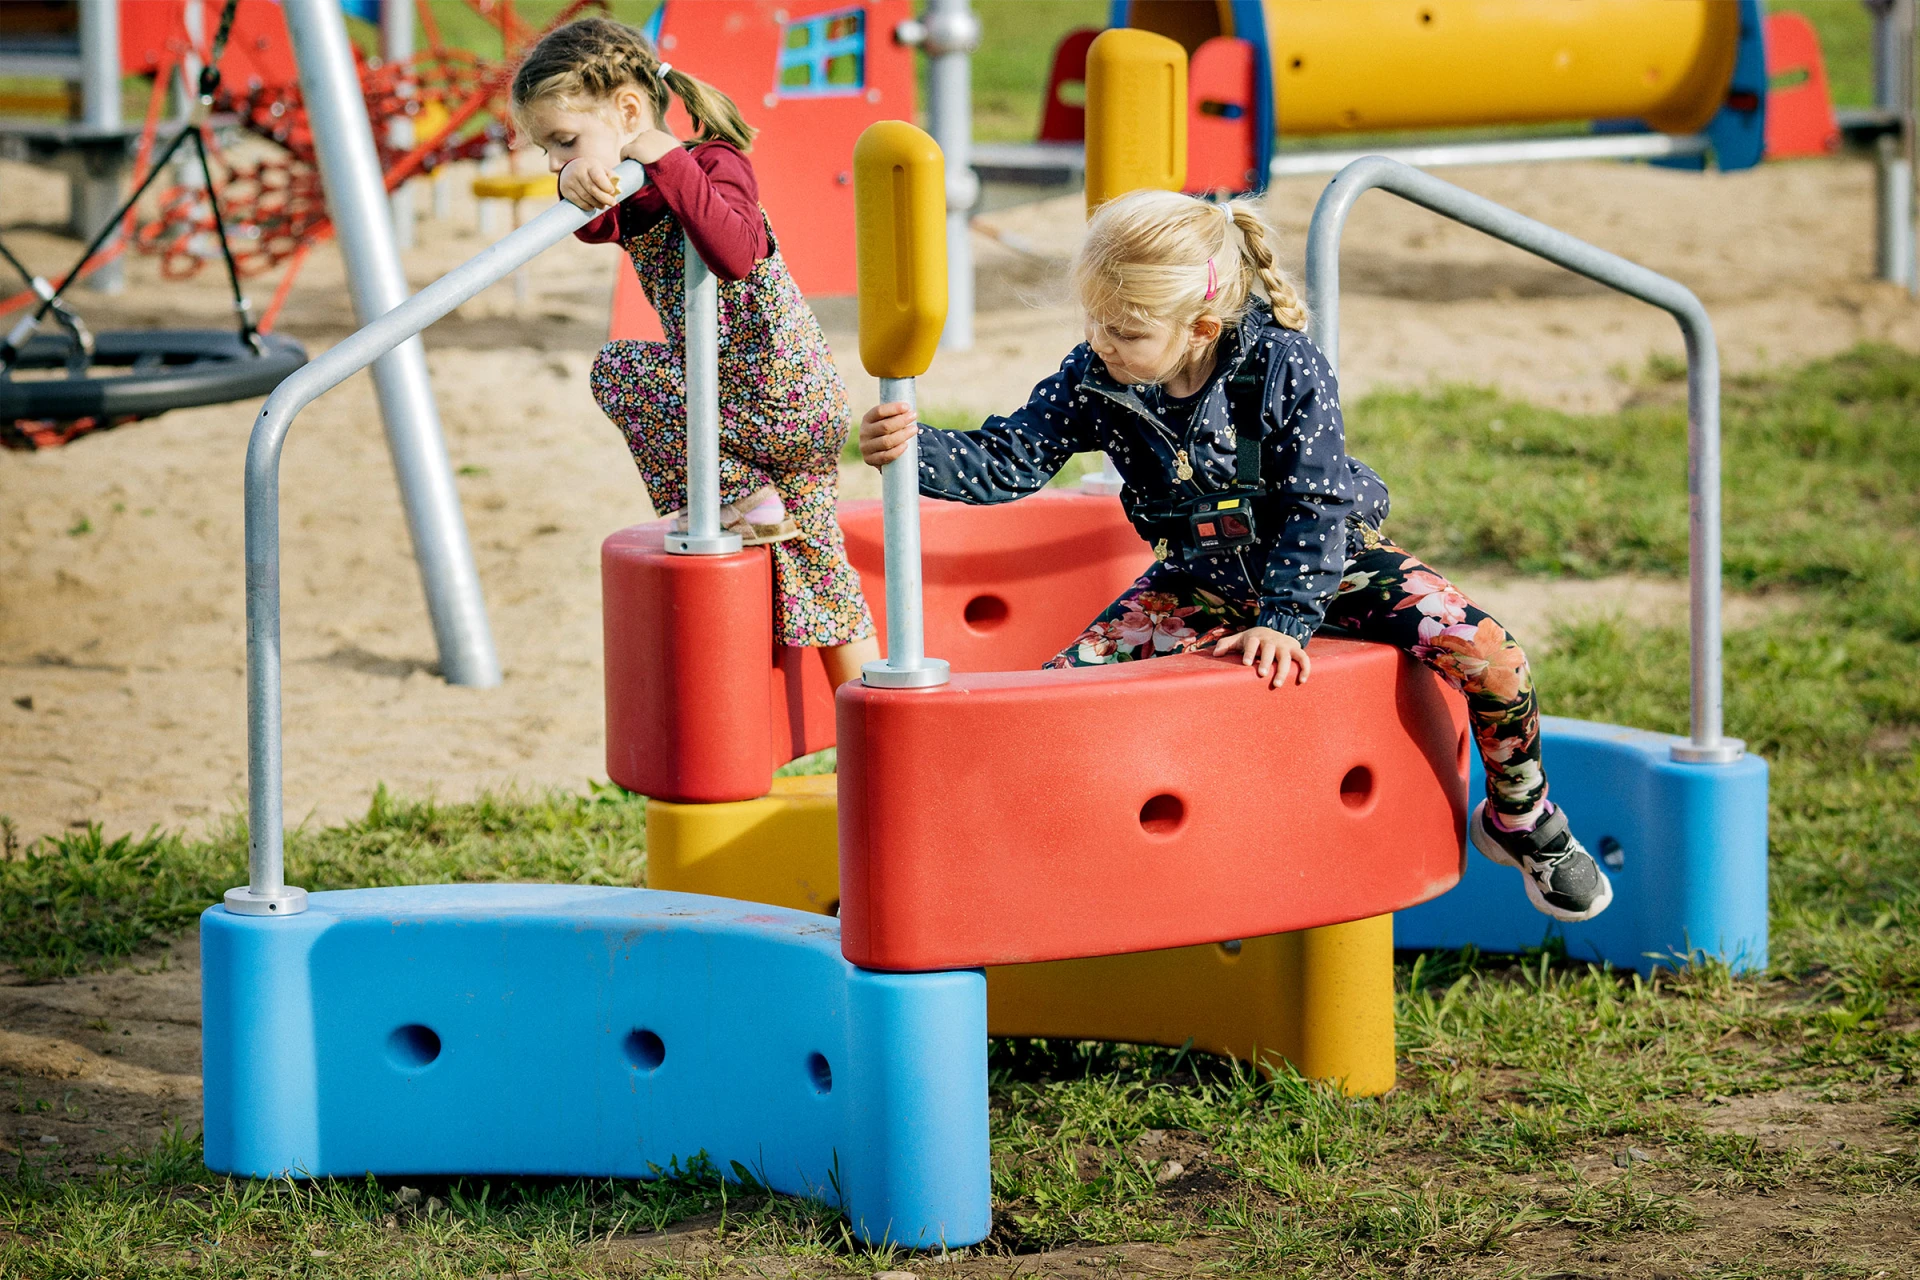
x: 121, y: 616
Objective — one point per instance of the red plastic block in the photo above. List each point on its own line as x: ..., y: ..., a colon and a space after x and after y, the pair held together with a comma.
x: 1064, y: 118
x: 1013, y: 817
x: 1800, y: 121
x: 1223, y: 152
x: 702, y: 706
x: 686, y: 657
x: 1005, y: 587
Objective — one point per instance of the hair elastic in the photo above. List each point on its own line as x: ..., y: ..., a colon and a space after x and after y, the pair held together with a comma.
x: 664, y: 68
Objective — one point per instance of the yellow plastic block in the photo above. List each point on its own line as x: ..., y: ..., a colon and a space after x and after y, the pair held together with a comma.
x: 514, y: 186
x: 1136, y: 114
x: 900, y: 230
x: 1321, y: 999
x: 783, y: 848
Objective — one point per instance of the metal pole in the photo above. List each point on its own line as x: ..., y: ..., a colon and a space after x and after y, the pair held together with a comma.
x: 396, y: 46
x: 703, y: 536
x: 95, y: 197
x: 952, y: 34
x: 1893, y: 160
x: 906, y: 665
x: 356, y: 197
x: 267, y: 892
x: 1707, y: 744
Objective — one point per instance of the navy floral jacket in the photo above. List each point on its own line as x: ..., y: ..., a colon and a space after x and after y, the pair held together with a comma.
x: 1319, y: 492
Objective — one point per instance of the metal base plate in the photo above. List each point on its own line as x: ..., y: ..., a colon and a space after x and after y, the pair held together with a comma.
x: 692, y: 544
x: 1725, y: 751
x: 930, y: 672
x: 291, y: 900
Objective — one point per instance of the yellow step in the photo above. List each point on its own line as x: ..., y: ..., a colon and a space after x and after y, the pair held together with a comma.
x: 1321, y: 999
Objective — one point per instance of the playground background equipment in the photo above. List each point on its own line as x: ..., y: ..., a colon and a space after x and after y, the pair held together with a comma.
x: 1647, y: 74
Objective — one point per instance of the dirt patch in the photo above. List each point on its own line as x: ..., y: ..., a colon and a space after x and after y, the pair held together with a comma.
x: 101, y: 1064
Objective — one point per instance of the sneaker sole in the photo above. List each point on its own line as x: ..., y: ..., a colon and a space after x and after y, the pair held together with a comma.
x: 1494, y: 853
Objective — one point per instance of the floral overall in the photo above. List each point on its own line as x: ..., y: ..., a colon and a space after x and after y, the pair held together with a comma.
x: 783, y: 421
x: 1386, y: 595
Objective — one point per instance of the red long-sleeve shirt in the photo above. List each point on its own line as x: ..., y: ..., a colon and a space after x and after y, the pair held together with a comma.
x: 709, y: 187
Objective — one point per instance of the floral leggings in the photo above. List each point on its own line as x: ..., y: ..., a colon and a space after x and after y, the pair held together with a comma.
x: 1385, y: 596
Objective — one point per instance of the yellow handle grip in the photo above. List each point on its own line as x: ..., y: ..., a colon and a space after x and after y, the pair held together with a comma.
x: 900, y: 217
x: 1136, y: 114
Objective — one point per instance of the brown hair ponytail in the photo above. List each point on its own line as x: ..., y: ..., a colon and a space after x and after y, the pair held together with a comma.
x: 583, y: 63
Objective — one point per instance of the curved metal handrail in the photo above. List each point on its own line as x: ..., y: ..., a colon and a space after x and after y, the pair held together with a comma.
x: 1707, y: 743
x: 267, y: 892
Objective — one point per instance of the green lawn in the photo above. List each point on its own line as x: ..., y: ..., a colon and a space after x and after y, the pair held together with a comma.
x: 1523, y: 1080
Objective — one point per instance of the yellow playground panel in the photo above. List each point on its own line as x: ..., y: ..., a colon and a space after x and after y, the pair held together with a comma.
x: 1321, y: 999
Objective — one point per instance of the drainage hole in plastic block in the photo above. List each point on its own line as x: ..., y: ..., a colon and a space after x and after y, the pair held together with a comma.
x: 413, y: 1045
x: 1231, y: 946
x: 1163, y: 815
x: 820, y: 1072
x: 984, y: 613
x: 1612, y: 854
x: 645, y: 1050
x: 1356, y: 788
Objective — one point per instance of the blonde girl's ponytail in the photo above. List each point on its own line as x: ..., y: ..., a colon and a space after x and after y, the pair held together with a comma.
x: 1257, y: 249
x: 583, y: 63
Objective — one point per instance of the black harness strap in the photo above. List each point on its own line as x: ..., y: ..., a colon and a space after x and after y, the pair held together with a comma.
x: 1245, y: 391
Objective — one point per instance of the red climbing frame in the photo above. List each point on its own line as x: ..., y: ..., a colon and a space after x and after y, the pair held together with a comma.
x: 1017, y: 814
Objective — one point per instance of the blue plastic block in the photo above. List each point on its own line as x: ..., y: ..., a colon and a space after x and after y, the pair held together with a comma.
x: 563, y: 1030
x: 1690, y: 839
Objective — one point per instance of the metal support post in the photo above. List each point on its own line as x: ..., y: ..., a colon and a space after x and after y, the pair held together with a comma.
x: 906, y: 665
x: 703, y: 536
x: 1707, y: 744
x: 266, y: 891
x: 396, y: 46
x: 1893, y: 154
x: 356, y: 198
x: 95, y: 196
x: 950, y: 33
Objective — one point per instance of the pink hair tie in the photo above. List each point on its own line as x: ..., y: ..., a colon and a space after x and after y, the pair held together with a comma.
x: 1213, y: 281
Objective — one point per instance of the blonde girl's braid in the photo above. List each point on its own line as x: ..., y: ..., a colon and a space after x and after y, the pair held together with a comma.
x: 1257, y: 249
x: 584, y: 63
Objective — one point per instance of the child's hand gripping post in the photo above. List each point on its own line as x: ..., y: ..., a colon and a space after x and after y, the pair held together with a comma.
x: 900, y: 213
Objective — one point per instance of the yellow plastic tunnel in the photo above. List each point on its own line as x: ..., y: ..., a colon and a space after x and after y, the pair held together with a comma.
x: 1343, y: 66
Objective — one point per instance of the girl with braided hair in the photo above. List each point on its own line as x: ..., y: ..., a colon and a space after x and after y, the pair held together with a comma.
x: 593, y: 93
x: 1196, y: 378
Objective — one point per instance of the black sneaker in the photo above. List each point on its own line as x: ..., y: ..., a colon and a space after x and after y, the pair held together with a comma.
x: 1562, y: 878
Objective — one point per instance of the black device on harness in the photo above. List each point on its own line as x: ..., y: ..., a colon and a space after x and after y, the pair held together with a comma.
x: 1221, y: 519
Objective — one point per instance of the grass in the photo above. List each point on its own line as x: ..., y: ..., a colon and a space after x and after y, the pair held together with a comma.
x: 1527, y: 1083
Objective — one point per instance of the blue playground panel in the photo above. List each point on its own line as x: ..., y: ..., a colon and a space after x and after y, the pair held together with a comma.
x: 1690, y: 841
x: 586, y: 1031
